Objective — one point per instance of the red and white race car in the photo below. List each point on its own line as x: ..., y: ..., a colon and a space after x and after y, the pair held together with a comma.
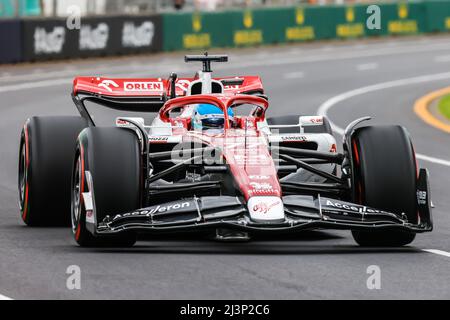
x: 232, y: 172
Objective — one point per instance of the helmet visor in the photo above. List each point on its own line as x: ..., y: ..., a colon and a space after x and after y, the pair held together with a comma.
x: 213, y: 121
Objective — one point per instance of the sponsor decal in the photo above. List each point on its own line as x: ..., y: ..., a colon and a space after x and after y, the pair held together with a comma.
x: 258, y: 177
x: 183, y: 84
x: 311, y: 120
x: 318, y: 120
x: 148, y: 212
x: 196, y: 41
x: 351, y: 28
x: 121, y: 122
x: 49, y: 42
x: 352, y: 207
x: 143, y: 86
x: 421, y: 197
x: 94, y: 38
x: 261, y: 186
x: 264, y: 207
x: 293, y: 138
x: 158, y: 139
x: 248, y: 37
x: 403, y: 26
x: 138, y: 36
x: 300, y: 33
x: 90, y: 216
x: 127, y: 122
x: 231, y: 87
x: 107, y: 83
x: 196, y: 22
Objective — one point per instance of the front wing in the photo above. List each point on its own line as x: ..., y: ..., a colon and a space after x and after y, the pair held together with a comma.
x: 301, y: 213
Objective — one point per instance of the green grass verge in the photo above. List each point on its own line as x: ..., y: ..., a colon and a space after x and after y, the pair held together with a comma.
x: 444, y: 106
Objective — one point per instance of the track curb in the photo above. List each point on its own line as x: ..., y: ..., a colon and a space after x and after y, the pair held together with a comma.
x: 421, y: 108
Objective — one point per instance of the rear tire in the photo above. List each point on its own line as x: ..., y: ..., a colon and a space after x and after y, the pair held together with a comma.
x: 45, y: 165
x: 112, y: 156
x: 386, y: 175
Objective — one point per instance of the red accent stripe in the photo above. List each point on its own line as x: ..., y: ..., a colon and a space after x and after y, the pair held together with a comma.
x: 78, y: 231
x: 360, y: 193
x: 355, y: 150
x: 27, y: 163
x: 25, y: 207
x: 82, y: 170
x: 415, y: 161
x: 360, y: 189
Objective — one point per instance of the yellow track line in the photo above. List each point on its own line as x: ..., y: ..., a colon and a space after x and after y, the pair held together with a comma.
x: 421, y: 109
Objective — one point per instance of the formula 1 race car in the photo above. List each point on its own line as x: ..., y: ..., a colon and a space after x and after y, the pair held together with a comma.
x: 204, y: 164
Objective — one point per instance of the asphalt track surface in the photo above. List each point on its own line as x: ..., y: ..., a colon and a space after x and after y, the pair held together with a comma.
x: 327, y: 264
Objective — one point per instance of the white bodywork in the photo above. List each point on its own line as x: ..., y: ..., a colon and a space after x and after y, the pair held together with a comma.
x: 265, y: 209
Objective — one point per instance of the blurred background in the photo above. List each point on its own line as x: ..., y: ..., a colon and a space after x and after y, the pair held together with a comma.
x: 48, y: 8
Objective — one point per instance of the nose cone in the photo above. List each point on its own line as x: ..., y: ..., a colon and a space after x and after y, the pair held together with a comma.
x: 266, y: 209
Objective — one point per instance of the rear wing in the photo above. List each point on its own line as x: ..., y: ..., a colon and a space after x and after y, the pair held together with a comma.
x: 157, y: 87
x: 146, y: 94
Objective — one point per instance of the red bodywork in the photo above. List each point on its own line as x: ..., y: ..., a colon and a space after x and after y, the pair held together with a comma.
x: 244, y: 147
x: 153, y: 87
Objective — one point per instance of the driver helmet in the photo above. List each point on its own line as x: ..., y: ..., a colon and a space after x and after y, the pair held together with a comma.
x: 209, y: 116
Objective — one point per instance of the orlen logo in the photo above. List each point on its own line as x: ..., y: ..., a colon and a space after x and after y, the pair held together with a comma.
x: 143, y: 86
x: 263, y: 207
x: 107, y: 84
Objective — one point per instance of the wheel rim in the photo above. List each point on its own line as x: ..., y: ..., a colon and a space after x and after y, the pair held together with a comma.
x: 76, y: 196
x: 22, y: 175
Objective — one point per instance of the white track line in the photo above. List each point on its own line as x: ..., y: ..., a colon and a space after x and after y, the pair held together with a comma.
x: 439, y: 252
x: 294, y: 75
x: 2, y: 297
x: 442, y: 58
x: 337, y: 54
x: 327, y: 105
x: 47, y: 83
x: 34, y: 85
x: 367, y: 66
x: 334, y: 56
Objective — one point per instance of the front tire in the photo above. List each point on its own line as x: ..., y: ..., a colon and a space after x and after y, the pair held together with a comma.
x: 112, y: 156
x: 385, y: 176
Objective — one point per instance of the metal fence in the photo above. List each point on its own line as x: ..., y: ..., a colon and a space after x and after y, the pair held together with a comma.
x: 61, y: 8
